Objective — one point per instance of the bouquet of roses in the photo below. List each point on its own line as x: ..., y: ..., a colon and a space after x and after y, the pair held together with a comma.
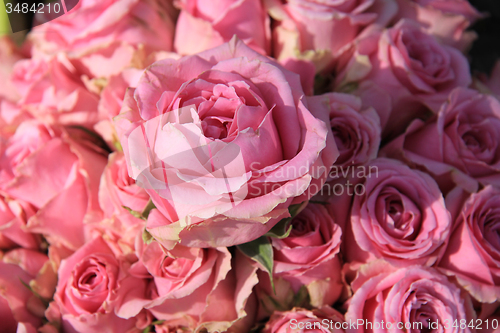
x: 249, y: 166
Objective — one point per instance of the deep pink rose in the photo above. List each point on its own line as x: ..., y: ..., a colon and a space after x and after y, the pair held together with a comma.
x: 416, y: 296
x: 103, y: 37
x: 459, y: 146
x: 14, y: 215
x: 445, y: 19
x: 473, y: 253
x: 309, y: 257
x: 19, y: 307
x: 198, y: 288
x: 404, y: 73
x: 57, y: 175
x: 356, y: 130
x: 224, y: 143
x: 93, y: 286
x: 321, y: 30
x: 321, y: 320
x: 53, y: 91
x: 397, y: 214
x: 203, y: 25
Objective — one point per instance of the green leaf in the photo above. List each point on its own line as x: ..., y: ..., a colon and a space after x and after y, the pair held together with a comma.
x: 146, y: 236
x: 134, y: 213
x: 144, y: 214
x: 281, y: 229
x: 147, y: 210
x: 261, y: 251
x: 296, y: 209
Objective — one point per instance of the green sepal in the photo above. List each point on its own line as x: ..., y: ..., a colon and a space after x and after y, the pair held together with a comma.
x: 261, y: 251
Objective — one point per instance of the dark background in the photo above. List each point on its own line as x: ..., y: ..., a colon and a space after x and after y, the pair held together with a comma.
x: 486, y: 49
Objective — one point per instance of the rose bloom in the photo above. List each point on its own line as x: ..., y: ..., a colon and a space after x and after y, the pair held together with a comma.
x: 416, y: 295
x: 397, y: 214
x: 198, y: 288
x: 224, y: 143
x: 445, y: 19
x: 57, y: 174
x: 93, y: 287
x: 14, y: 215
x: 324, y: 319
x: 473, y: 252
x: 356, y: 130
x: 404, y: 73
x: 116, y: 191
x: 461, y: 143
x: 19, y: 307
x: 203, y: 25
x: 309, y: 257
x: 320, y: 30
x: 103, y: 37
x: 52, y: 90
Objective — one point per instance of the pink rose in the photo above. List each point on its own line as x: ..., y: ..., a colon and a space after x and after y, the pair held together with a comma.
x: 416, y: 296
x: 460, y: 143
x: 203, y: 25
x: 403, y: 73
x: 397, y: 214
x: 473, y: 253
x: 356, y: 130
x: 93, y: 286
x: 9, y: 55
x: 111, y: 101
x: 201, y: 288
x: 309, y: 257
x: 445, y: 19
x: 55, y: 174
x: 117, y: 191
x: 223, y: 143
x: 321, y: 30
x: 19, y: 307
x: 324, y: 319
x: 14, y: 215
x: 53, y: 91
x: 103, y: 37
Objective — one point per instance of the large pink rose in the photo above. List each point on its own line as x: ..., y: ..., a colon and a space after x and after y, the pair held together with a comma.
x: 203, y: 25
x: 93, y: 286
x: 224, y: 143
x: 460, y: 145
x: 309, y: 257
x: 415, y: 296
x: 445, y: 19
x: 404, y: 73
x: 324, y: 319
x: 473, y: 253
x: 397, y: 214
x: 103, y: 37
x: 198, y: 288
x: 57, y: 175
x: 53, y: 91
x: 356, y: 130
x: 320, y: 30
x: 19, y: 306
